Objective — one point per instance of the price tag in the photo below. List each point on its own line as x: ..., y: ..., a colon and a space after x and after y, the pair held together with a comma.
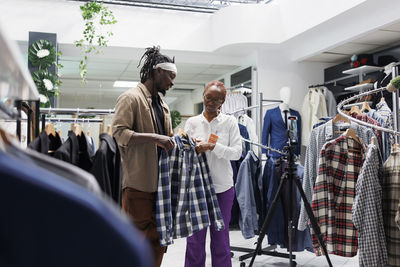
x: 213, y: 138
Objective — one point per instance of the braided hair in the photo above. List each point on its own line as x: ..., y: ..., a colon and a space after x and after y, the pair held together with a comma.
x: 151, y: 57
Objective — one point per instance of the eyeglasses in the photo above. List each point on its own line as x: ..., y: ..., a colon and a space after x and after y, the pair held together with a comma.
x: 215, y: 100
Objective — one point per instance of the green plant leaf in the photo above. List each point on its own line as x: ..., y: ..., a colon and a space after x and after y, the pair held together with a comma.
x: 42, y: 53
x: 176, y: 118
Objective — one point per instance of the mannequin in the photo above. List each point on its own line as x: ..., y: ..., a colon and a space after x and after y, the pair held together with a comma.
x: 285, y: 95
x: 274, y: 127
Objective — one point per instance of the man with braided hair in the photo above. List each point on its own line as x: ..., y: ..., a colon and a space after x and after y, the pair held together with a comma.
x: 142, y: 127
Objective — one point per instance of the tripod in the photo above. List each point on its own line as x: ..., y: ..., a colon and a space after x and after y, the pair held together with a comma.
x: 290, y: 177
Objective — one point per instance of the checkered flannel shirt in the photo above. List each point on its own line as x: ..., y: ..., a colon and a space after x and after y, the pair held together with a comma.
x: 367, y: 212
x: 365, y: 118
x: 186, y: 199
x: 391, y: 198
x: 319, y: 136
x: 339, y: 165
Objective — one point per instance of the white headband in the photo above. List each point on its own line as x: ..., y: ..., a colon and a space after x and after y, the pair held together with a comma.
x: 167, y: 66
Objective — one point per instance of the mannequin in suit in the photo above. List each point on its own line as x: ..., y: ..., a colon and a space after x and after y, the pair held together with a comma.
x: 274, y: 128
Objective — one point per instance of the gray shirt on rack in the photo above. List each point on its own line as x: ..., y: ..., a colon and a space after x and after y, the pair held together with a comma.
x: 318, y: 137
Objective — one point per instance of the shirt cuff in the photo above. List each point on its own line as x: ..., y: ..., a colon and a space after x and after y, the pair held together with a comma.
x: 219, y: 150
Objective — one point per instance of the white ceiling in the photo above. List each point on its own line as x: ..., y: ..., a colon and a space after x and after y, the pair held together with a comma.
x: 103, y: 72
x: 380, y: 39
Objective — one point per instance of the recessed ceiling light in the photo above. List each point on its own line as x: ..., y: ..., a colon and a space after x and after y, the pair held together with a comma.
x: 125, y: 84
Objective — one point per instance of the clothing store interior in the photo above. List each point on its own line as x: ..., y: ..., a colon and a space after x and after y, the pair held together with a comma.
x: 199, y: 133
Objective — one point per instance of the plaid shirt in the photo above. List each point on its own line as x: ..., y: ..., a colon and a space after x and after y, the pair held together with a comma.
x: 186, y: 199
x: 391, y: 197
x: 319, y: 136
x: 339, y: 164
x: 367, y: 212
x: 365, y: 118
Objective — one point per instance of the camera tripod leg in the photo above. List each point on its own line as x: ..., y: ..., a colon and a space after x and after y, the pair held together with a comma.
x: 314, y: 223
x: 267, y: 221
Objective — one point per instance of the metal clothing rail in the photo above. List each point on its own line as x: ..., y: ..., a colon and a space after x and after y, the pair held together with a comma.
x: 357, y: 104
x: 69, y: 111
x: 73, y: 111
x: 82, y: 120
x: 256, y: 106
x: 341, y: 104
x: 265, y: 147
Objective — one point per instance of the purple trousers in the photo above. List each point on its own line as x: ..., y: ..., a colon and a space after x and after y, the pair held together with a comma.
x: 220, y: 248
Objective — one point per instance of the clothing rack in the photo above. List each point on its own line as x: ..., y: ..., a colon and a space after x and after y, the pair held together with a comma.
x: 74, y: 111
x: 74, y: 120
x: 255, y: 106
x: 341, y: 105
x: 71, y: 111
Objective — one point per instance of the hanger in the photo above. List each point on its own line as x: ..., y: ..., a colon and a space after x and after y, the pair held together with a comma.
x: 373, y: 140
x: 49, y: 128
x: 365, y: 107
x: 4, y: 139
x: 340, y: 118
x: 109, y: 130
x: 355, y: 109
x: 182, y: 133
x: 76, y: 128
x: 7, y: 139
x: 351, y: 133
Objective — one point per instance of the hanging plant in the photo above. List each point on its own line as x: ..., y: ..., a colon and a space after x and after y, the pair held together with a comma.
x: 47, y: 86
x: 95, y: 36
x: 42, y: 54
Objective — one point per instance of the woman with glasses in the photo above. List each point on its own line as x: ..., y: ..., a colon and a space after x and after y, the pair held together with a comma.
x: 218, y: 136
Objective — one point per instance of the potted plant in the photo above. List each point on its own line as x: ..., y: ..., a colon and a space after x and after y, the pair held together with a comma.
x: 97, y: 18
x: 176, y: 118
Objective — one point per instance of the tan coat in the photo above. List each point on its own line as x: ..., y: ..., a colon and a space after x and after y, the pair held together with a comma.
x: 134, y: 113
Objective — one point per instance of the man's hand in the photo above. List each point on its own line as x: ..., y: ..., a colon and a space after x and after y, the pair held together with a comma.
x: 165, y: 142
x: 202, y: 146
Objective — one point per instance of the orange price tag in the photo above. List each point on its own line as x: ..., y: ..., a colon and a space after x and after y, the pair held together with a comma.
x: 213, y: 138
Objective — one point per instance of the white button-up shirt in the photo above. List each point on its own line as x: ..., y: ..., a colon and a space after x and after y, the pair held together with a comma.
x: 227, y: 148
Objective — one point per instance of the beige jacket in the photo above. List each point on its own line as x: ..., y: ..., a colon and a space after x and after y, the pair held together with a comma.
x: 134, y: 113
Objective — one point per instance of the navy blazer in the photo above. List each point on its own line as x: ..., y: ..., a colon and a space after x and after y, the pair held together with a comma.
x: 274, y: 131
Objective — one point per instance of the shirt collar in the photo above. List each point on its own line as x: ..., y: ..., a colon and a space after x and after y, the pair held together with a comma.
x: 144, y: 90
x: 217, y: 119
x: 109, y: 141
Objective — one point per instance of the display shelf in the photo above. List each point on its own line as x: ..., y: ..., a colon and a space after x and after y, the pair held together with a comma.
x: 15, y: 80
x: 360, y: 87
x: 362, y: 70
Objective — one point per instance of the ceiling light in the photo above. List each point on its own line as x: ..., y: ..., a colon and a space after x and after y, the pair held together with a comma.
x: 125, y: 84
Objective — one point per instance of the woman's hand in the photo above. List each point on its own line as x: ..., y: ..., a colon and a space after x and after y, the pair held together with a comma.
x: 203, y: 146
